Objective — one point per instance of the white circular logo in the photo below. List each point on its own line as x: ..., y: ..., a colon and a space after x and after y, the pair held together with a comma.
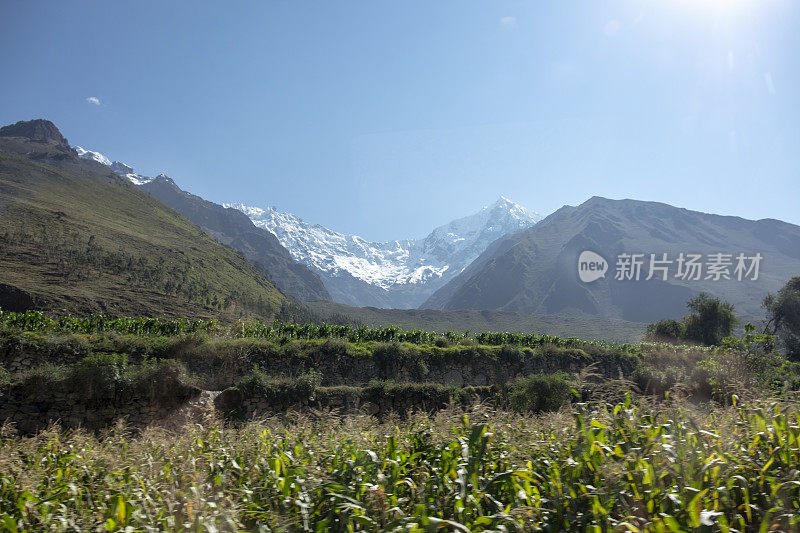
x: 591, y: 266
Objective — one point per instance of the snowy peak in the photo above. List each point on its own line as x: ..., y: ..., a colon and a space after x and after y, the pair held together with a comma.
x: 95, y: 156
x: 513, y: 210
x: 461, y: 241
x: 118, y: 168
x: 330, y: 251
x: 392, y: 265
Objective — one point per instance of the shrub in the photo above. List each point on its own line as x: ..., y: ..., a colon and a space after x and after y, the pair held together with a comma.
x: 107, y: 377
x: 783, y: 317
x: 392, y: 358
x: 281, y: 391
x: 401, y: 397
x: 158, y: 379
x: 652, y: 380
x: 667, y: 329
x: 540, y: 392
x: 96, y: 375
x: 41, y: 380
x: 334, y: 346
x: 711, y: 320
x: 514, y: 354
x: 441, y: 342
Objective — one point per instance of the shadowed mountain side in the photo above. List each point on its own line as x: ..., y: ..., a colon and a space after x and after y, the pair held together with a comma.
x: 535, y: 270
x: 234, y: 229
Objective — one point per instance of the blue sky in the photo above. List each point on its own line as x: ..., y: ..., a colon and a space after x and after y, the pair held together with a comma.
x: 388, y: 118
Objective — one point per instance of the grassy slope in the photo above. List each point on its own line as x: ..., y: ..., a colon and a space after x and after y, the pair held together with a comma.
x: 48, y: 215
x: 591, y: 328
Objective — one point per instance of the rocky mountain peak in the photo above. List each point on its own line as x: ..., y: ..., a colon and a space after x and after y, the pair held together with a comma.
x: 38, y: 130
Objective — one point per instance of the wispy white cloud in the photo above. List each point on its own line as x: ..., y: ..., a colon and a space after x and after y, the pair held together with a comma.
x: 770, y: 84
x: 508, y: 22
x: 612, y: 27
x: 93, y: 100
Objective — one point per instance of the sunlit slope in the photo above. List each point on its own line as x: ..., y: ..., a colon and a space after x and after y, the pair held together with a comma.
x: 76, y: 238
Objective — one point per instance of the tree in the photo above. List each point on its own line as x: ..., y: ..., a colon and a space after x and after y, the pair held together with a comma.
x: 710, y: 321
x: 666, y: 329
x: 783, y: 317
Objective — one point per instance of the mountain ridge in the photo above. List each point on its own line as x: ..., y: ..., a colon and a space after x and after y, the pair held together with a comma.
x: 234, y: 229
x: 535, y: 271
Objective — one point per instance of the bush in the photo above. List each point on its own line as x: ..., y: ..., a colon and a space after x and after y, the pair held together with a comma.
x: 106, y: 377
x: 281, y: 391
x: 158, y: 379
x: 711, y: 320
x: 392, y: 358
x: 667, y: 329
x: 540, y: 392
x: 783, y: 317
x: 514, y: 354
x: 403, y: 397
x: 96, y: 375
x: 334, y: 348
x: 441, y: 342
x: 650, y: 380
x: 41, y: 380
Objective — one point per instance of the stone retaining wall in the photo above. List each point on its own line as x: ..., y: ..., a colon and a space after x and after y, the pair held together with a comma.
x: 372, y: 400
x: 32, y: 413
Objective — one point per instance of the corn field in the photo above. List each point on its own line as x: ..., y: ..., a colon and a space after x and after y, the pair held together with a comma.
x: 39, y: 322
x: 592, y: 468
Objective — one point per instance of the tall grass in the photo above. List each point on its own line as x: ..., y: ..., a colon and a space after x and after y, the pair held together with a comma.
x: 622, y: 467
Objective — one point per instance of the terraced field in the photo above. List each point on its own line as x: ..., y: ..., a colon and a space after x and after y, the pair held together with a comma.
x: 183, y: 425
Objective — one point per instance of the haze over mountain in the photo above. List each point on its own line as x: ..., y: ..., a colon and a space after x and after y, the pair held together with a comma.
x: 76, y: 238
x: 536, y: 270
x: 394, y: 274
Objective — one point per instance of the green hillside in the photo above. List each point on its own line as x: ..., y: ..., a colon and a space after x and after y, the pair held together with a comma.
x: 75, y: 238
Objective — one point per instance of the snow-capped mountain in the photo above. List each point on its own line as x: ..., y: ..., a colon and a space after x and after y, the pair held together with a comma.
x: 400, y: 273
x: 355, y: 271
x: 96, y: 156
x: 120, y: 168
